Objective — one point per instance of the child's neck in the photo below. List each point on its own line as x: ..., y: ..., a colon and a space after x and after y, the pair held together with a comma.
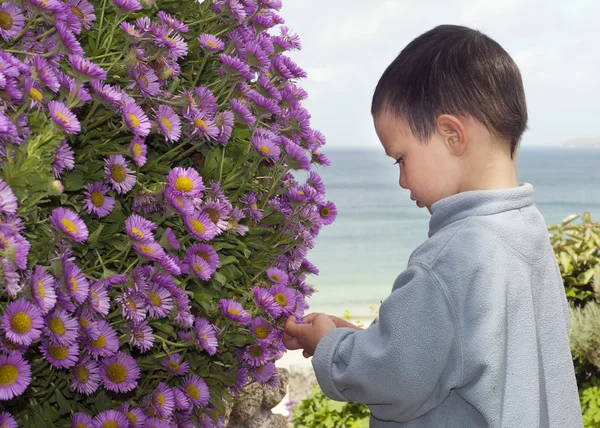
x: 497, y: 172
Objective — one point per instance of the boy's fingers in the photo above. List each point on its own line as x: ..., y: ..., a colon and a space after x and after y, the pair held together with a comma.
x: 306, y: 354
x: 292, y: 328
x: 310, y: 317
x: 290, y: 342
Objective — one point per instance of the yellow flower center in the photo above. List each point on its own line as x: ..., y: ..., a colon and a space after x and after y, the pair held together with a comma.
x: 198, y: 268
x: 192, y: 391
x: 133, y: 119
x: 40, y: 289
x: 117, y: 173
x: 137, y: 149
x: 6, y: 21
x: 83, y: 321
x: 58, y: 352
x: 211, y: 43
x: 275, y: 277
x: 97, y: 198
x: 183, y: 184
x: 73, y: 282
x: 254, y: 206
x: 7, y: 343
x: 137, y: 232
x: 35, y: 94
x: 147, y: 249
x: 174, y: 365
x: 281, y: 299
x: 261, y: 332
x: 265, y: 150
x: 77, y: 12
x: 62, y: 118
x: 142, y: 81
x: 198, y: 226
x: 20, y: 323
x: 116, y: 372
x: 155, y: 299
x: 95, y: 296
x: 256, y: 351
x: 131, y: 418
x: 69, y: 225
x: 201, y: 124
x: 110, y: 424
x: 160, y: 400
x: 8, y: 375
x: 80, y: 425
x: 233, y: 311
x: 82, y: 374
x: 324, y: 212
x: 57, y: 326
x: 166, y: 122
x: 99, y: 343
x: 213, y: 214
x: 203, y: 255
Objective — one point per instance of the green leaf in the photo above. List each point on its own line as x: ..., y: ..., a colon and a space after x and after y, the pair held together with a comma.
x: 227, y: 260
x: 202, y: 297
x: 93, y: 238
x: 585, y: 277
x: 64, y: 406
x: 219, y: 278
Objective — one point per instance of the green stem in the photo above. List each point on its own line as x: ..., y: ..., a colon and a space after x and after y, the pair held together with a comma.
x: 173, y: 150
x: 30, y: 21
x: 221, y: 164
x: 199, y: 73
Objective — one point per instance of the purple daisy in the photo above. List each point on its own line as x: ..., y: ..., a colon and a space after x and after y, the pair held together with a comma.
x: 266, y: 301
x: 200, y: 225
x: 196, y: 390
x: 256, y: 355
x: 136, y: 416
x: 211, y: 43
x: 242, y: 112
x: 69, y: 43
x: 186, y: 182
x: 8, y: 201
x: 60, y: 356
x: 83, y: 11
x: 86, y: 376
x: 264, y: 106
x: 117, y: 172
x: 296, y: 156
x: 225, y: 121
x: 107, y: 343
x: 127, y: 5
x: 172, y: 239
x: 235, y: 67
x: 140, y: 336
x: 45, y: 73
x: 146, y: 80
x: 265, y: 147
x: 132, y: 305
x: 136, y: 119
x: 68, y: 222
x: 327, y: 212
x: 60, y: 328
x: 106, y: 92
x: 206, y: 252
x: 42, y: 289
x: 234, y: 311
x: 81, y: 420
x: 201, y: 125
x: 320, y: 158
x: 16, y: 376
x: 219, y: 212
x: 85, y: 69
x: 131, y: 30
x: 119, y: 373
x: 175, y: 44
x: 162, y: 401
x: 139, y: 228
x: 21, y: 322
x: 96, y: 200
x: 182, y: 402
x: 200, y: 267
x: 75, y: 281
x: 12, y: 21
x: 284, y: 297
x: 264, y: 373
x: 64, y: 117
x: 98, y: 299
x: 277, y: 276
x: 255, y: 56
x: 159, y: 302
x: 182, y: 204
x: 167, y: 19
x: 314, y: 180
x: 261, y: 330
x: 174, y: 365
x: 111, y: 418
x: 169, y: 124
x: 137, y: 150
x: 149, y: 250
x: 206, y: 334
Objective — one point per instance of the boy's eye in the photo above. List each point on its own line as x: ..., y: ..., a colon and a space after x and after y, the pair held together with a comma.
x: 399, y: 160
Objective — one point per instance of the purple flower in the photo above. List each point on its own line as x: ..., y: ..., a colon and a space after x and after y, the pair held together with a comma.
x: 146, y: 81
x: 242, y: 112
x: 118, y: 174
x: 206, y: 252
x: 69, y: 42
x: 250, y: 200
x: 201, y: 125
x: 235, y: 67
x: 172, y: 239
x: 327, y: 212
x: 266, y: 147
x: 12, y: 21
x: 111, y: 418
x: 256, y: 355
x: 81, y: 420
x: 60, y: 328
x: 211, y: 43
x: 8, y: 201
x: 136, y: 416
x: 71, y: 85
x: 42, y: 289
x: 98, y: 299
x: 106, y: 92
x: 201, y: 226
x: 64, y: 117
x: 284, y: 297
x: 141, y: 336
x: 68, y: 222
x: 76, y: 283
x: 186, y: 182
x: 83, y: 11
x: 63, y: 159
x: 206, y: 335
x: 234, y: 310
x: 320, y: 158
x: 175, y: 44
x: 60, y: 356
x: 16, y: 376
x: 255, y: 56
x: 139, y: 228
x: 136, y: 119
x: 314, y: 180
x: 107, y: 343
x: 96, y: 199
x: 127, y: 5
x: 225, y: 121
x: 119, y: 373
x: 264, y: 373
x: 206, y: 100
x: 266, y: 301
x: 265, y: 106
x: 169, y: 124
x: 200, y: 267
x: 85, y: 69
x: 277, y: 276
x: 149, y: 250
x: 137, y: 150
x: 86, y: 376
x: 261, y: 330
x: 46, y: 73
x: 196, y: 390
x: 163, y: 401
x: 174, y: 365
x: 297, y: 158
x: 167, y: 19
x: 159, y: 302
x: 182, y: 204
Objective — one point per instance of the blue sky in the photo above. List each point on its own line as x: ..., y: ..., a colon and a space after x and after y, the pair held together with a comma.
x: 347, y: 44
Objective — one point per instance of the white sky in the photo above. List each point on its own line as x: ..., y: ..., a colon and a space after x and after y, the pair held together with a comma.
x: 347, y: 44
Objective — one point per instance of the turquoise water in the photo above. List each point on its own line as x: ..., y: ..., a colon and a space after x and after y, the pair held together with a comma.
x: 361, y: 254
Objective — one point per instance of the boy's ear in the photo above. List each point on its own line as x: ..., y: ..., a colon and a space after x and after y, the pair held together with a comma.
x: 453, y: 133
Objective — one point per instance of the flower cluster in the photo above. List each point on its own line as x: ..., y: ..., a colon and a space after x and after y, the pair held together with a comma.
x: 153, y: 236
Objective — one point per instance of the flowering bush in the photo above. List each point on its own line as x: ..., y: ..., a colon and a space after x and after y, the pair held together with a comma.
x: 152, y: 237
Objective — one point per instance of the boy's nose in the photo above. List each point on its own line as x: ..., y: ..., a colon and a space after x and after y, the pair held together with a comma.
x: 402, y: 182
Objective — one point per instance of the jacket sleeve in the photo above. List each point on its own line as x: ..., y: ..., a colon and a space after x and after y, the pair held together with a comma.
x: 403, y: 365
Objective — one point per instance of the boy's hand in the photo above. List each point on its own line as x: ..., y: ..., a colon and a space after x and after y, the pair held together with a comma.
x: 306, y: 336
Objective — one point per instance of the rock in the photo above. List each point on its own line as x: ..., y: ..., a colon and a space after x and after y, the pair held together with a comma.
x: 248, y: 403
x: 273, y: 396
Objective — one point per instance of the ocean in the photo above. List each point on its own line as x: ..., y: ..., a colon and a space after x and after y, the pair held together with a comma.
x: 377, y: 227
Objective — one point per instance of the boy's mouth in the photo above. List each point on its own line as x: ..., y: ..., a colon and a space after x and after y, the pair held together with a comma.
x: 419, y: 204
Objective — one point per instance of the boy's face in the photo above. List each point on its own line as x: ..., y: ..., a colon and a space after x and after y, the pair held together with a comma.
x: 427, y: 170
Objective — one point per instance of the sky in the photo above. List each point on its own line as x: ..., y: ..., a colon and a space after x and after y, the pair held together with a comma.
x: 347, y: 44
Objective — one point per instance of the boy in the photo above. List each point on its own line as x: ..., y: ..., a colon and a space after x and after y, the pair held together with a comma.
x: 475, y: 331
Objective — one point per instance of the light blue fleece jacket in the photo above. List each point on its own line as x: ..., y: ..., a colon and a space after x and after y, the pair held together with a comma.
x: 475, y: 331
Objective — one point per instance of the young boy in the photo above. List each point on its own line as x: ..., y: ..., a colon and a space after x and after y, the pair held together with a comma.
x: 475, y: 331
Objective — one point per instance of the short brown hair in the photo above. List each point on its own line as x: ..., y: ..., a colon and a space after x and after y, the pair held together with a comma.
x: 454, y: 70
